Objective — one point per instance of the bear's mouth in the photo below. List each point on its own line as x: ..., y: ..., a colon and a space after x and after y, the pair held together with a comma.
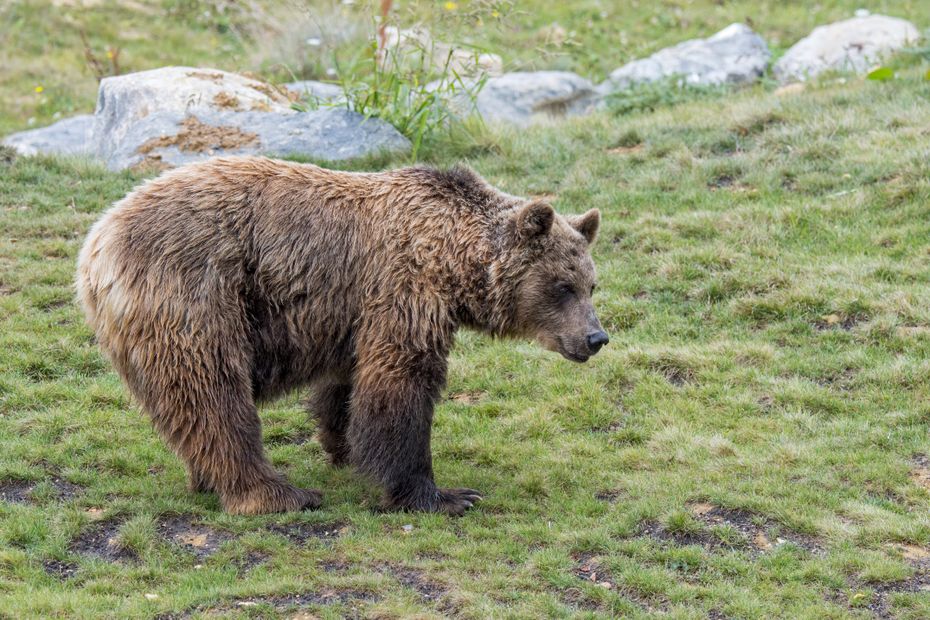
x: 575, y: 357
x: 571, y: 354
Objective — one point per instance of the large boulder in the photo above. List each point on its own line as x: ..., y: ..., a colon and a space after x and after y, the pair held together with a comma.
x: 71, y: 136
x: 850, y: 45
x: 522, y: 98
x: 173, y: 138
x: 736, y: 54
x: 124, y: 100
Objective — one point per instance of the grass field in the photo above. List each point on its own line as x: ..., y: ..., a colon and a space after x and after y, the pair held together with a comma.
x: 752, y: 443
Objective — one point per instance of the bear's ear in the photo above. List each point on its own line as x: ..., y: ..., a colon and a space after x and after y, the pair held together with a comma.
x: 534, y: 220
x: 587, y: 224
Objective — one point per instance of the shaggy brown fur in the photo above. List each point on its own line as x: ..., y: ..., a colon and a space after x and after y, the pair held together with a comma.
x: 229, y: 282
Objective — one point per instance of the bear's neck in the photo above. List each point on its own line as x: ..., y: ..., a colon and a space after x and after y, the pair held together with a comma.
x: 487, y: 298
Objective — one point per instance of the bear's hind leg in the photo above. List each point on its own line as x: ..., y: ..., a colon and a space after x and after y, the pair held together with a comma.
x: 195, y: 385
x: 223, y: 452
x: 329, y: 403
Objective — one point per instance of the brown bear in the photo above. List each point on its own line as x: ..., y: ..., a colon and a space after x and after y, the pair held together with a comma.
x: 229, y: 282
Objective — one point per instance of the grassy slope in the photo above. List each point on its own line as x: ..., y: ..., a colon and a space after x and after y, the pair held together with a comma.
x: 764, y: 268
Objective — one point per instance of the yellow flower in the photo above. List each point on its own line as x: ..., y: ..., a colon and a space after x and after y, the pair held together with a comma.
x: 450, y: 6
x: 495, y: 14
x: 110, y: 54
x: 39, y: 89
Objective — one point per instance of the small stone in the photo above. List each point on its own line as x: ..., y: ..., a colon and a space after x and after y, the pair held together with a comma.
x: 151, y: 596
x: 407, y: 528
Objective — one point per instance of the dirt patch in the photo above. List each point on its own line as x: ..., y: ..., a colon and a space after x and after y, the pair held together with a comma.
x: 588, y: 568
x: 674, y: 371
x: 416, y: 580
x: 226, y: 101
x: 197, y: 137
x: 334, y: 566
x: 746, y: 531
x: 877, y: 597
x: 840, y: 380
x: 102, y: 541
x: 611, y: 496
x: 250, y: 560
x: 920, y: 472
x: 21, y: 491
x: 837, y: 321
x: 657, y: 531
x: 469, y: 397
x: 721, y: 181
x: 301, y: 533
x: 914, y: 554
x: 326, y: 596
x: 759, y: 532
x: 16, y: 491
x: 192, y: 537
x: 880, y: 603
x: 61, y: 570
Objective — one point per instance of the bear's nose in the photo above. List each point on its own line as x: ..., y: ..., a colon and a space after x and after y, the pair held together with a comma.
x: 597, y: 340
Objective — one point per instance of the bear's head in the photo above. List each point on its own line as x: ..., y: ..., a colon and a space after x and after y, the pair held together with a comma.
x: 554, y: 279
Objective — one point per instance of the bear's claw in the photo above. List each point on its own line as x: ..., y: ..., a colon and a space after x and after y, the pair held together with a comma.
x: 457, y: 501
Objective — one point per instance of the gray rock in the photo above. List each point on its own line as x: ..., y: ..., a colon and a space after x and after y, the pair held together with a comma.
x: 523, y: 98
x: 71, y: 136
x: 125, y: 100
x: 736, y: 54
x: 850, y: 45
x: 174, y: 138
x: 318, y: 92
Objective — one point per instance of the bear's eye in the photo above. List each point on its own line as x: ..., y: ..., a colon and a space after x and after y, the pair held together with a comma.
x: 564, y: 290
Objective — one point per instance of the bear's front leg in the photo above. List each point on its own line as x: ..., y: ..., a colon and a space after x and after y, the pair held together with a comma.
x: 389, y: 431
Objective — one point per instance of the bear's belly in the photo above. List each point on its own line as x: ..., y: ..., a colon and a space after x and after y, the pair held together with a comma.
x: 292, y: 347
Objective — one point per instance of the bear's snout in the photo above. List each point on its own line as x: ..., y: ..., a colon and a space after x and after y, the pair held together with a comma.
x: 596, y: 340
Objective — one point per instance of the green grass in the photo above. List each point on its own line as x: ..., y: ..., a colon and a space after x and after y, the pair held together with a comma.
x: 764, y: 265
